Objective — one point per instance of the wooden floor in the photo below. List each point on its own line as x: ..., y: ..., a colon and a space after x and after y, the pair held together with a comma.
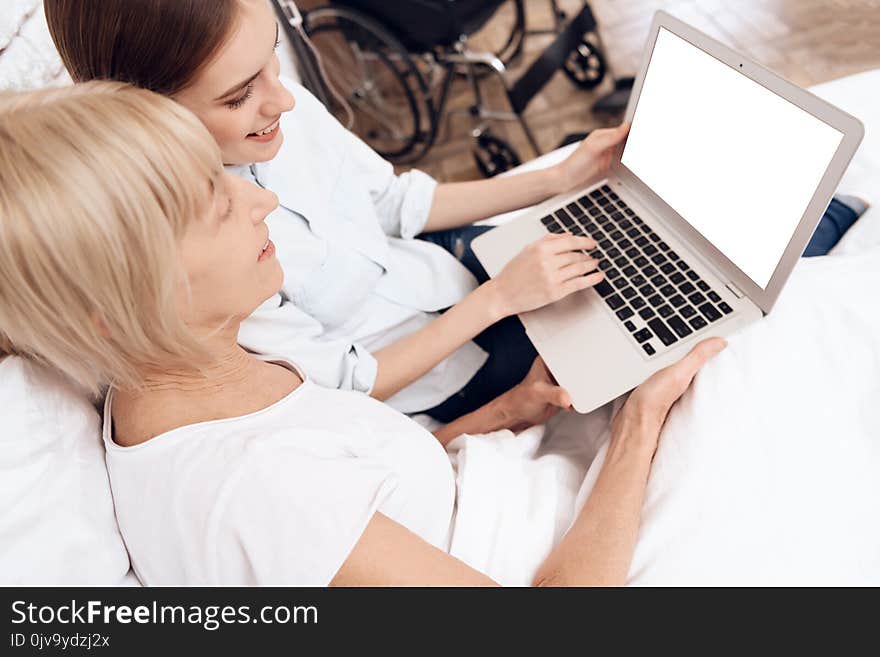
x: 806, y: 41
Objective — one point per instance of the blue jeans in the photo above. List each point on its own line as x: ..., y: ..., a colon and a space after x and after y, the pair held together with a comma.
x: 511, y: 353
x: 838, y: 219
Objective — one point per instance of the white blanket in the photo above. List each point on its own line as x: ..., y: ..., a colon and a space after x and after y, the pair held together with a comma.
x: 767, y: 471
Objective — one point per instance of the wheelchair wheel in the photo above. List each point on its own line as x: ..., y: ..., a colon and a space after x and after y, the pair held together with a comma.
x: 585, y: 65
x: 366, y: 64
x: 494, y: 155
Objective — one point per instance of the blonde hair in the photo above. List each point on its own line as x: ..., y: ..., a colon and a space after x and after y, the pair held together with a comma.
x: 97, y: 185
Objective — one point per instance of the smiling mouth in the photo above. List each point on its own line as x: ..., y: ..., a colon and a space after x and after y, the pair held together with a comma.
x: 267, y: 131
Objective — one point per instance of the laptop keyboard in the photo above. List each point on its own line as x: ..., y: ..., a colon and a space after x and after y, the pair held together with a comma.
x: 651, y: 290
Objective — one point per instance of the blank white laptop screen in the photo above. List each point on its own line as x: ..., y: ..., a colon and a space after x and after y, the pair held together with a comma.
x: 735, y: 160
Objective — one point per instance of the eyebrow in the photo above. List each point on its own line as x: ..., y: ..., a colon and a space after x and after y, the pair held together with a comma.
x: 242, y: 85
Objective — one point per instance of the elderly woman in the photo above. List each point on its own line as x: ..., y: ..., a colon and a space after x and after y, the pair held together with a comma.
x: 129, y: 259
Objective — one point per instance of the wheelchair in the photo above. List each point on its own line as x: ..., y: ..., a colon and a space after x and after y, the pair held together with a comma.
x: 385, y: 68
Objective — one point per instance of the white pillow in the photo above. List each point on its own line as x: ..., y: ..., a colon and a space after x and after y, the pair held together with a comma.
x: 57, y: 523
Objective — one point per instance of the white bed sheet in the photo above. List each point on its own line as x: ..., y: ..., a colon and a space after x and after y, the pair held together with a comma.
x: 767, y: 470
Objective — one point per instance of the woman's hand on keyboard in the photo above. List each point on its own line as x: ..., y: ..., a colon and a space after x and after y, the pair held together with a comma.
x: 545, y: 271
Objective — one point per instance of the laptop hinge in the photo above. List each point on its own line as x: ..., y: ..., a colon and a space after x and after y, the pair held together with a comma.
x: 736, y: 291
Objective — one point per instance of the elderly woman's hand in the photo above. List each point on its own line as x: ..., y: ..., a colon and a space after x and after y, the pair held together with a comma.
x: 645, y: 411
x: 591, y: 159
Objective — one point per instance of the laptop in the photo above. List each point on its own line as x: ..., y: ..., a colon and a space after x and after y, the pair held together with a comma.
x: 703, y: 214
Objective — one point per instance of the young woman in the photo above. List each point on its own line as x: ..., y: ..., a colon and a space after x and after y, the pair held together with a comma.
x: 359, y: 307
x: 228, y: 468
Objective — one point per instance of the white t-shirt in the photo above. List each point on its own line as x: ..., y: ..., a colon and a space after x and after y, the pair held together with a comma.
x: 279, y: 496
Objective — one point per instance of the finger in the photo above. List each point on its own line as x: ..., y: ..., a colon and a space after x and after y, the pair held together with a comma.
x: 571, y: 243
x: 554, y: 395
x: 699, y: 356
x: 581, y: 283
x: 571, y: 258
x: 578, y: 269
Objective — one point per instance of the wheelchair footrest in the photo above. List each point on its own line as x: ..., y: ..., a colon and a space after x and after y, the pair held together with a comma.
x: 551, y: 60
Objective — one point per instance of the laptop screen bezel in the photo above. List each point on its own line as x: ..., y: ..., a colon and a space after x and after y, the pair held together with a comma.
x: 849, y: 126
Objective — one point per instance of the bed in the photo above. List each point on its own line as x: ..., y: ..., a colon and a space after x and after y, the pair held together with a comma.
x: 766, y: 471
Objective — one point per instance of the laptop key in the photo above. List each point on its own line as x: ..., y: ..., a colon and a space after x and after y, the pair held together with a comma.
x: 628, y: 292
x: 663, y: 246
x: 614, y: 301
x: 698, y: 323
x: 714, y: 296
x: 665, y: 310
x: 703, y: 285
x: 604, y: 244
x: 677, y: 301
x: 683, y: 265
x: 633, y: 232
x: 556, y: 228
x: 606, y: 189
x: 548, y: 220
x: 629, y: 271
x: 620, y: 282
x: 640, y: 262
x: 662, y: 331
x: 687, y: 288
x: 616, y: 235
x: 594, y: 211
x: 667, y: 290
x: 681, y: 329
x: 649, y: 271
x: 677, y: 277
x: 725, y: 308
x: 623, y: 222
x: 629, y: 326
x: 603, y: 288
x: 643, y: 335
x: 648, y: 349
x: 659, y: 280
x: 621, y: 261
x: 672, y: 255
x: 575, y: 210
x: 668, y: 268
x: 624, y: 244
x: 710, y: 312
x: 630, y: 212
x: 642, y: 240
x: 595, y: 194
x: 632, y: 252
x: 638, y: 280
x: 696, y: 298
x: 688, y: 311
x: 617, y: 217
x: 646, y: 290
x: 637, y: 303
x: 654, y: 237
x: 625, y: 312
x: 647, y: 313
x: 656, y: 300
x: 577, y: 230
x: 650, y: 250
x: 613, y: 195
x: 611, y: 272
x: 694, y: 276
x: 613, y: 252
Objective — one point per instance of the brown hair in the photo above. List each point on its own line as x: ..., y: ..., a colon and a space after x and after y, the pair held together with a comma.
x: 160, y: 45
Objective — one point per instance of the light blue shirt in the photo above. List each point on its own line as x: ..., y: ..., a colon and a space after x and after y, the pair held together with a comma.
x: 355, y: 280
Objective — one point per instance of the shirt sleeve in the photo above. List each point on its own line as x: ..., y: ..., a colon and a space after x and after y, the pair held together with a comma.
x: 403, y: 202
x: 279, y: 328
x: 292, y: 519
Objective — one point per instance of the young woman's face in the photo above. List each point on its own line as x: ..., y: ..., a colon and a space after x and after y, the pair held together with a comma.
x: 228, y: 257
x: 238, y: 95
